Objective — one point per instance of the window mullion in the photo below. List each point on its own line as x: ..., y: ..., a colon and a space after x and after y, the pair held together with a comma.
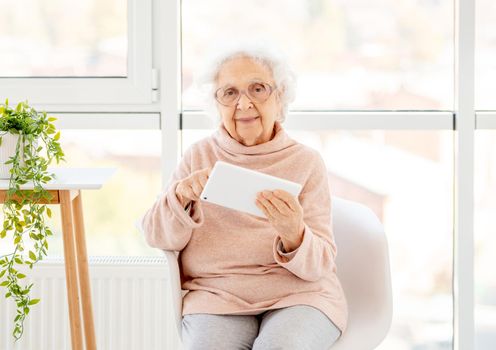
x: 463, y: 269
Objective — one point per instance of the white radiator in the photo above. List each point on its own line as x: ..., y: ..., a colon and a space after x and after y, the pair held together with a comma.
x: 131, y: 306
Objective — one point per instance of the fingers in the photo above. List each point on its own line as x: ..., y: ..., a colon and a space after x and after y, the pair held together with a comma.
x: 268, y: 209
x: 203, y: 180
x: 200, y: 180
x: 285, y: 201
x: 279, y: 204
x: 206, y: 171
x: 186, y: 191
x: 197, y: 188
x: 192, y: 187
x: 262, y: 207
x: 291, y: 202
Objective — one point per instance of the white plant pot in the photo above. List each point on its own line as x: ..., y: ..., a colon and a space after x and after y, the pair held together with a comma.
x: 7, y: 150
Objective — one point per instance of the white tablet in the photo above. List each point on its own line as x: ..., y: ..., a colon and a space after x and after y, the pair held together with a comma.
x: 236, y: 187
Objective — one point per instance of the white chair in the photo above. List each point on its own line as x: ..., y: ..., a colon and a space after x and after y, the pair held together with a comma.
x: 363, y: 269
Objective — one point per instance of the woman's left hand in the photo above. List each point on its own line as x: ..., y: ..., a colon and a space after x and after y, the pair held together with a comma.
x: 285, y: 214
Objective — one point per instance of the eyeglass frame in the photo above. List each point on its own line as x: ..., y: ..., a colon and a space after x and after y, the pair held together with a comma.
x: 272, y: 89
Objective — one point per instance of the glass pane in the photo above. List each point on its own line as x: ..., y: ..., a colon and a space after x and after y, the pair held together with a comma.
x: 349, y: 54
x: 409, y: 186
x: 485, y: 239
x: 485, y: 54
x: 60, y: 38
x: 110, y: 212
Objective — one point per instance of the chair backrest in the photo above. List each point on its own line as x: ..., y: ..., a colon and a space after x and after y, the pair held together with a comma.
x: 363, y: 268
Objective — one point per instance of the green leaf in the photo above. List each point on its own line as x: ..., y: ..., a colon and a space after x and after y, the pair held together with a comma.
x: 31, y: 255
x: 34, y: 301
x: 17, y: 239
x: 2, y: 273
x: 8, y: 295
x: 57, y: 136
x: 21, y: 275
x: 52, y: 119
x: 4, y: 283
x: 49, y: 212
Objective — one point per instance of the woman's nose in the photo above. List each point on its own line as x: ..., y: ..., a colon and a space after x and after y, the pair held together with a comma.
x: 244, y: 102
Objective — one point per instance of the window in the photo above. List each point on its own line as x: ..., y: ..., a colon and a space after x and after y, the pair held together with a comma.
x: 485, y: 55
x: 349, y: 54
x: 88, y: 39
x: 76, y: 52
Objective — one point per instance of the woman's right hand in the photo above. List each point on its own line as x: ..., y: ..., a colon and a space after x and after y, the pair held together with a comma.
x: 190, y: 188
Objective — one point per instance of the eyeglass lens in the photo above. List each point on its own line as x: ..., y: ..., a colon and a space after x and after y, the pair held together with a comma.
x: 257, y: 92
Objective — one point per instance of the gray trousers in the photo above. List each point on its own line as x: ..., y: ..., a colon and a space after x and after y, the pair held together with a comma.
x: 296, y: 327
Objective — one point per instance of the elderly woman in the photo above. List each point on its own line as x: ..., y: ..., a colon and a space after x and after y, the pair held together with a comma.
x: 252, y: 283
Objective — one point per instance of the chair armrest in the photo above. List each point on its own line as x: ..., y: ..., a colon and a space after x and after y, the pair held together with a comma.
x: 174, y: 280
x: 175, y: 288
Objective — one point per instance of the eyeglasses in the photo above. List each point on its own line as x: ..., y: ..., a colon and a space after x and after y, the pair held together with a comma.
x: 257, y: 92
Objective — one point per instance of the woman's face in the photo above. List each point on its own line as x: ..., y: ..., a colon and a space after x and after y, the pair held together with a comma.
x: 248, y: 122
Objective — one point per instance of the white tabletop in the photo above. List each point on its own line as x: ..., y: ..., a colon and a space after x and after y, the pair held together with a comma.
x: 70, y: 179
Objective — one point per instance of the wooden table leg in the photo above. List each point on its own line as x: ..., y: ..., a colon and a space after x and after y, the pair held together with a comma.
x: 84, y: 280
x: 71, y: 270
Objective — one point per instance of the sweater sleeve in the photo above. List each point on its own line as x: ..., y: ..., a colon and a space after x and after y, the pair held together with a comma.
x: 317, y: 251
x: 281, y: 251
x: 167, y: 225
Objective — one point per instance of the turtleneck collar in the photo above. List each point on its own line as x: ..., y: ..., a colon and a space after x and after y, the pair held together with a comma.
x: 280, y: 141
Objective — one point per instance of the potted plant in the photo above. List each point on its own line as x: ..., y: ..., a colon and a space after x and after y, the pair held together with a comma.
x: 23, y: 133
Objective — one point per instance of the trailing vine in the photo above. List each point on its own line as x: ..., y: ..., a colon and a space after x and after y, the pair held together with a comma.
x: 23, y: 214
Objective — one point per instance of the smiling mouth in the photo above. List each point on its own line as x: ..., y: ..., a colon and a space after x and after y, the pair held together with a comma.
x: 248, y: 119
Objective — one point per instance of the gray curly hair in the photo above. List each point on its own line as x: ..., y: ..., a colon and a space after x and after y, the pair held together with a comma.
x: 260, y: 51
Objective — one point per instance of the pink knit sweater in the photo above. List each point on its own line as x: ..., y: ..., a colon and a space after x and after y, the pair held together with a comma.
x: 232, y: 262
